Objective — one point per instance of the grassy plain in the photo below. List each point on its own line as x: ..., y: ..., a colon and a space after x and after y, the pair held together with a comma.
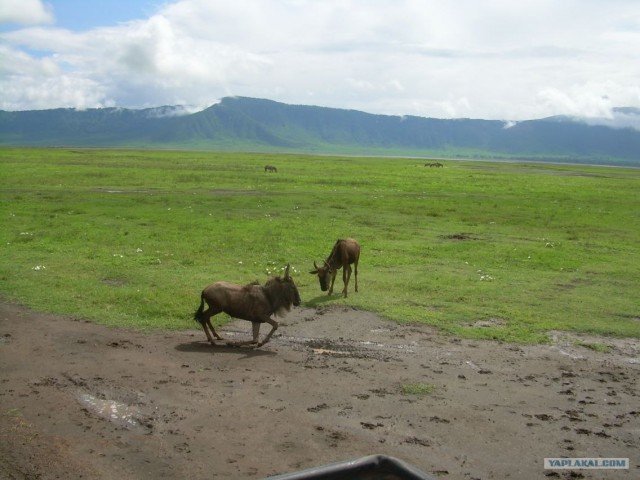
x: 505, y: 251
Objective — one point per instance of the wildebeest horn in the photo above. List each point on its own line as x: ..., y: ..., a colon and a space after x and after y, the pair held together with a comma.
x: 314, y: 265
x: 286, y: 272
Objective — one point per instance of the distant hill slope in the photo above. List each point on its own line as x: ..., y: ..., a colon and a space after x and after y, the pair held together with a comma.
x: 238, y: 123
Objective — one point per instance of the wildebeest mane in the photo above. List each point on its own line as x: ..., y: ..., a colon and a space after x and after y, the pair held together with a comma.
x: 333, y: 255
x: 280, y: 294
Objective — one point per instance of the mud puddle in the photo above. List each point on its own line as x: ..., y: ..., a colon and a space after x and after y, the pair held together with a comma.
x: 338, y: 347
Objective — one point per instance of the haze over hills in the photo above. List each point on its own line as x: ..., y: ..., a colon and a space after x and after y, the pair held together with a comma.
x: 249, y: 124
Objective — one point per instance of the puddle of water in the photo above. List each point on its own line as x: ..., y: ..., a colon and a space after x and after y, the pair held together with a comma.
x: 326, y: 351
x: 116, y: 412
x: 569, y: 354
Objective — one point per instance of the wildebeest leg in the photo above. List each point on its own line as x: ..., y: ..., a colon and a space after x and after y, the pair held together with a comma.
x: 346, y: 276
x: 256, y: 333
x: 333, y: 279
x: 274, y: 327
x: 206, y: 331
x: 205, y: 320
x: 355, y: 273
x: 213, y: 330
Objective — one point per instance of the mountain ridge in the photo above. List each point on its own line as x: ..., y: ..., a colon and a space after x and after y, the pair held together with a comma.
x: 250, y: 124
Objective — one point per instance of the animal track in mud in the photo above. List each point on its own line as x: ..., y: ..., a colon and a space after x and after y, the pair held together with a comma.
x: 332, y: 437
x: 371, y: 426
x: 317, y: 408
x: 418, y: 441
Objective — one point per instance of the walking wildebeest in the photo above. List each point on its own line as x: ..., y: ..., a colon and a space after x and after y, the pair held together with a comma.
x: 344, y: 253
x: 270, y: 168
x: 253, y: 302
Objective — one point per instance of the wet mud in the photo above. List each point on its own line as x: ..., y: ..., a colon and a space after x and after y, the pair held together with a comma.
x: 79, y: 400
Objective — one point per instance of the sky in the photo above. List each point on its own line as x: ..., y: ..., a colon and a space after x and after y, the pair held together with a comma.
x: 494, y: 59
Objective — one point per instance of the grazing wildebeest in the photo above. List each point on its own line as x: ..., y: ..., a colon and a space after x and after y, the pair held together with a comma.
x: 270, y: 168
x: 253, y: 302
x: 343, y: 254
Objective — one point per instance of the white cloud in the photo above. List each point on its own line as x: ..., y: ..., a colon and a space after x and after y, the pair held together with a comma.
x: 25, y: 12
x: 617, y: 119
x: 577, y: 101
x: 472, y: 58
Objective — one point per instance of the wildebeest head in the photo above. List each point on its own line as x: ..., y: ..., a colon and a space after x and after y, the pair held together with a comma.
x: 283, y: 292
x: 324, y: 275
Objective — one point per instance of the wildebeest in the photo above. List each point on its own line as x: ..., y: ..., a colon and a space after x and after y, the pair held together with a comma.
x: 270, y: 168
x: 435, y: 164
x: 253, y: 302
x: 343, y: 254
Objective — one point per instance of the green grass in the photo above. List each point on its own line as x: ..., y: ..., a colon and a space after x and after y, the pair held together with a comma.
x: 417, y: 389
x: 596, y: 347
x: 504, y: 251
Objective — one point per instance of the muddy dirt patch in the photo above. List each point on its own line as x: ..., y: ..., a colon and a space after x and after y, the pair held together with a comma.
x: 84, y: 401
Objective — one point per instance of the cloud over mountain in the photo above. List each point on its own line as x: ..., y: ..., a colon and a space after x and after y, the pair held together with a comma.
x: 475, y: 59
x: 250, y: 124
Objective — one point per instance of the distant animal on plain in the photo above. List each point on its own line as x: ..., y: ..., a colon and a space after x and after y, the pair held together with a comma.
x: 434, y: 164
x: 343, y: 254
x: 253, y: 302
x: 270, y: 168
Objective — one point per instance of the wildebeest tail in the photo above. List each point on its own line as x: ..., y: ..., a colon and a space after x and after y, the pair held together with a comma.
x: 197, y: 316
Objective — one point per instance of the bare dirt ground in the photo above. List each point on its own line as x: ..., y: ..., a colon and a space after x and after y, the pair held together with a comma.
x: 79, y: 400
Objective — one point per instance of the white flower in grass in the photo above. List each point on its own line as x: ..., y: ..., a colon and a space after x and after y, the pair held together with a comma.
x: 38, y: 268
